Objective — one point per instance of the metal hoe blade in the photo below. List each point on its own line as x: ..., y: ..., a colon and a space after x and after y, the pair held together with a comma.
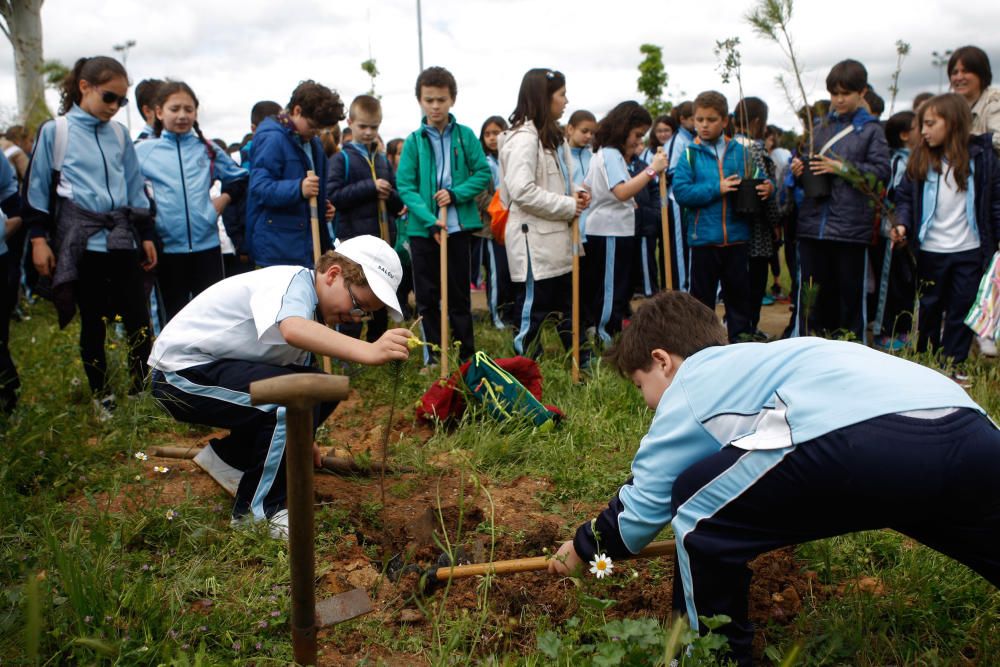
x: 343, y: 607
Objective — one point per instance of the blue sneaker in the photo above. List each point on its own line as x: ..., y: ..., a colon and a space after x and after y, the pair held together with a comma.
x: 768, y: 300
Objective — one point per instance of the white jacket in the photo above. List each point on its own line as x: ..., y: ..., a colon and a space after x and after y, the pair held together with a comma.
x: 986, y: 115
x: 533, y: 188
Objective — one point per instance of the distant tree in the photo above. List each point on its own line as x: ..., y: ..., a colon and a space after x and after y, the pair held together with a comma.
x: 21, y: 23
x: 55, y: 73
x: 653, y: 79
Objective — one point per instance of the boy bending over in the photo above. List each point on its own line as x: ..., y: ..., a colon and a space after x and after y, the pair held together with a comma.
x: 754, y: 447
x: 260, y: 325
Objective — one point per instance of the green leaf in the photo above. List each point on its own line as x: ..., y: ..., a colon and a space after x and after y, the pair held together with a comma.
x: 609, y: 654
x: 550, y: 644
x: 597, y: 603
x: 714, y: 622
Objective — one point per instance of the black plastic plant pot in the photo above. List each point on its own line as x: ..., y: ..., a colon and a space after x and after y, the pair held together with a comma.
x: 746, y: 199
x: 815, y: 186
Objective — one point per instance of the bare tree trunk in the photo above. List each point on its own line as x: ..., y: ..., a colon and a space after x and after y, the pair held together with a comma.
x: 23, y: 27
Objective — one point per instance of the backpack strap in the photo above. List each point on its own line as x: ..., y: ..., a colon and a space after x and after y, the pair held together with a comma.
x: 60, y: 142
x: 347, y: 165
x: 835, y: 138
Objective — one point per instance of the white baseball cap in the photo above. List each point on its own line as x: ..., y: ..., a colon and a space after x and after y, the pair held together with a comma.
x: 381, y: 266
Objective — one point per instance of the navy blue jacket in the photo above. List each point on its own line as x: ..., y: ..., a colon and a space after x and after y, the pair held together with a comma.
x: 986, y: 196
x: 647, y: 203
x: 846, y: 215
x: 352, y: 191
x: 278, y: 229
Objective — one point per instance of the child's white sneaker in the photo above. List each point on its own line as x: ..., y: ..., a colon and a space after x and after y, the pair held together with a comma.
x: 227, y: 476
x: 277, y: 525
x: 987, y: 346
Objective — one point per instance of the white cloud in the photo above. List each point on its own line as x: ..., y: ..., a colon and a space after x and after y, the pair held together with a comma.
x: 234, y: 53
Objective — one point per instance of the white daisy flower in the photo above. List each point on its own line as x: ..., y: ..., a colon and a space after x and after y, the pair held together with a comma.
x: 171, y: 515
x: 601, y: 566
x: 161, y: 469
x: 141, y: 456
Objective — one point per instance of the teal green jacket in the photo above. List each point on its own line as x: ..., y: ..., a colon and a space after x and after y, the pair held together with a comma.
x: 416, y: 179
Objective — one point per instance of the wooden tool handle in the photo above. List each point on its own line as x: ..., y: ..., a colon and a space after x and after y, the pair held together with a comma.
x: 445, y: 337
x: 576, y: 301
x: 314, y: 225
x: 668, y: 278
x: 314, y: 221
x: 536, y: 563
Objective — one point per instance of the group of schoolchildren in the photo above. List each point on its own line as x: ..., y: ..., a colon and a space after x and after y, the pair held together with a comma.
x: 751, y: 446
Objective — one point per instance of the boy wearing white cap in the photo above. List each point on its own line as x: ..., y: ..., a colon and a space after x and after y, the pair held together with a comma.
x: 264, y: 324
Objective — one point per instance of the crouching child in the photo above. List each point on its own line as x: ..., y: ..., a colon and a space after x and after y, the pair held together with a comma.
x: 260, y: 325
x: 754, y: 447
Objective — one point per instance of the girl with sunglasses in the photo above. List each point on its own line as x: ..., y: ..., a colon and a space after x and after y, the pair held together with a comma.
x: 89, y: 223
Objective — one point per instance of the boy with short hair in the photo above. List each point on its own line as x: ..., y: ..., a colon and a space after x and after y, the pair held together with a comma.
x: 713, y: 166
x: 834, y: 232
x: 286, y: 148
x: 259, y: 325
x: 362, y: 188
x: 259, y: 111
x: 442, y: 164
x: 145, y: 99
x: 755, y: 447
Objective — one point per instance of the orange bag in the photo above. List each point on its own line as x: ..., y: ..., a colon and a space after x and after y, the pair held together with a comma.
x: 498, y: 217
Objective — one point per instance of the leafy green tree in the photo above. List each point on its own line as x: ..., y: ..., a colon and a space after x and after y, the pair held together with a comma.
x: 653, y: 79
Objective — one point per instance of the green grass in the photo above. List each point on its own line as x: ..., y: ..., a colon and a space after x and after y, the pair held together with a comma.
x: 94, y: 572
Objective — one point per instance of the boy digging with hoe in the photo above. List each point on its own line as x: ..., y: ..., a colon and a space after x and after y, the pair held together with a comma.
x: 754, y: 447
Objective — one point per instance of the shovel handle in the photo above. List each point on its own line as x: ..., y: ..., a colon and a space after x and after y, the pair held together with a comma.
x: 655, y: 549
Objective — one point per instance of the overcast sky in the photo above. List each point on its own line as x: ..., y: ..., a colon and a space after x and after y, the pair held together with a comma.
x: 234, y: 53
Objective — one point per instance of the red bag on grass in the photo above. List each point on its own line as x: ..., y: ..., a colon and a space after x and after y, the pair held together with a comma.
x: 443, y: 402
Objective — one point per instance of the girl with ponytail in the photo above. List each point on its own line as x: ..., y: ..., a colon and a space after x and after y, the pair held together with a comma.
x: 179, y: 166
x: 88, y: 220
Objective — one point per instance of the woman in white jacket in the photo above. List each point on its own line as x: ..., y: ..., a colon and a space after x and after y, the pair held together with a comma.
x: 537, y: 188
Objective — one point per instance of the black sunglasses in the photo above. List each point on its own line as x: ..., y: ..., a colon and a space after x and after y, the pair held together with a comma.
x: 110, y: 98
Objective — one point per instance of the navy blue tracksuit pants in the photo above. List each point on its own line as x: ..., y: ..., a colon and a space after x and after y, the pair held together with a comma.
x: 839, y: 271
x: 426, y: 256
x: 606, y: 283
x: 500, y: 291
x: 932, y: 479
x: 711, y: 266
x: 948, y: 283
x: 217, y: 394
x: 538, y: 300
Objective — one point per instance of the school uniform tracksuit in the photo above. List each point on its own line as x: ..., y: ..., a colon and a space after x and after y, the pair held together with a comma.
x: 954, y: 234
x: 803, y: 439
x: 179, y: 172
x: 835, y: 232
x: 717, y: 237
x: 431, y: 160
x: 207, y: 356
x: 351, y: 188
x: 646, y: 273
x: 99, y: 177
x: 609, y: 227
x: 678, y: 231
x: 10, y: 206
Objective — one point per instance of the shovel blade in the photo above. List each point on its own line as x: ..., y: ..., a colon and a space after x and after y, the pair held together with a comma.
x: 343, y: 607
